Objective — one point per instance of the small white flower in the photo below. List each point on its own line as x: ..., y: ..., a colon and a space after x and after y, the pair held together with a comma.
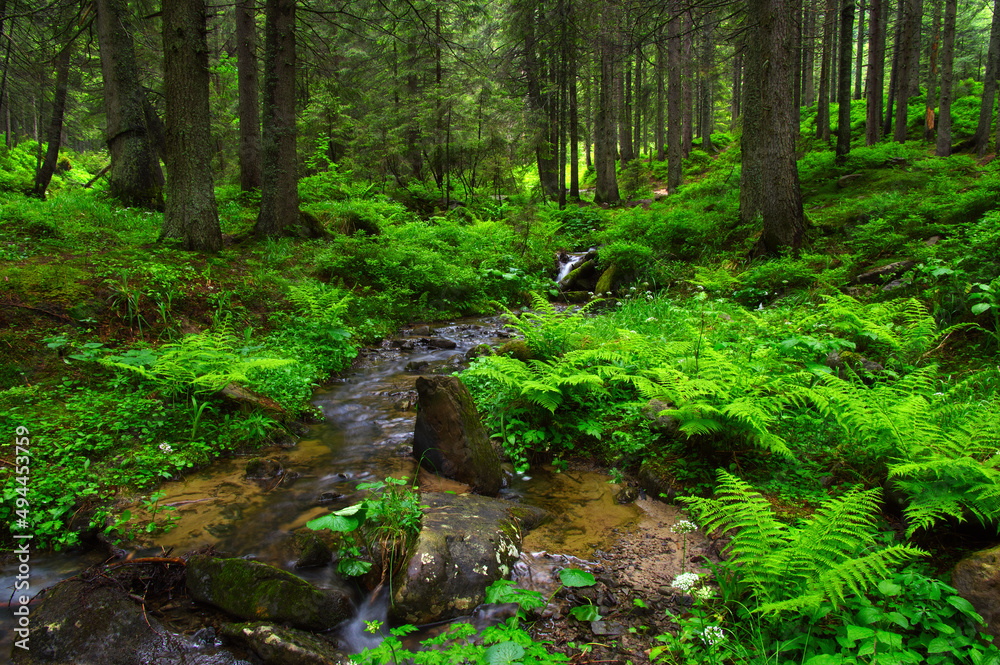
x: 632, y: 288
x: 590, y: 293
x: 712, y: 635
x: 619, y: 303
x: 684, y: 526
x: 650, y: 319
x: 703, y: 593
x: 165, y: 447
x: 685, y: 581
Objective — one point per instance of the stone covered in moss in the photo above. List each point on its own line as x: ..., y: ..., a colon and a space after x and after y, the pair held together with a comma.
x: 466, y: 543
x: 257, y: 591
x: 283, y: 646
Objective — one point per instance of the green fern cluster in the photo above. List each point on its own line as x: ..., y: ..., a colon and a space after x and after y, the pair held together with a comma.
x: 790, y: 569
x: 940, y: 446
x: 319, y: 300
x: 200, y: 363
x: 903, y: 327
x: 548, y: 332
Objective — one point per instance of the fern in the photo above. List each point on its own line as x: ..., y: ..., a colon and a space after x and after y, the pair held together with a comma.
x: 547, y: 331
x: 200, y: 363
x: 319, y: 300
x: 791, y: 569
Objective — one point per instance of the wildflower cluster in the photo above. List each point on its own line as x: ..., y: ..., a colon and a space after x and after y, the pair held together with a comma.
x: 712, y: 635
x: 684, y: 526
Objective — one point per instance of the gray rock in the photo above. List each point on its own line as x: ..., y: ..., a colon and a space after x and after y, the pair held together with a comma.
x: 605, y: 628
x: 256, y: 591
x: 884, y: 273
x: 977, y: 579
x: 283, y: 646
x: 95, y: 622
x: 440, y: 343
x: 449, y: 437
x: 313, y: 551
x: 661, y: 424
x: 466, y: 543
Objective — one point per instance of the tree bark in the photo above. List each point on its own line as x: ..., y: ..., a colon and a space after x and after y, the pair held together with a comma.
x: 982, y: 137
x: 876, y: 71
x: 279, y: 201
x: 844, y: 90
x: 190, y: 214
x: 943, y: 147
x: 894, y: 72
x: 675, y: 107
x: 823, y: 103
x: 932, y: 73
x: 44, y: 175
x: 808, y: 53
x: 625, y: 123
x: 735, y: 109
x: 661, y: 99
x: 905, y: 51
x: 687, y: 32
x: 859, y: 61
x: 769, y: 186
x: 249, y: 96
x: 135, y: 177
x: 605, y: 143
x: 708, y: 82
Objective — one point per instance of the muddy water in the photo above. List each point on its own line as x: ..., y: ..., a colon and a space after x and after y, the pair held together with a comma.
x: 365, y: 435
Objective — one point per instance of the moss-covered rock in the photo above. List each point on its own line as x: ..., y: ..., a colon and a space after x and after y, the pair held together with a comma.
x: 449, y: 438
x: 466, y: 543
x: 96, y: 622
x: 283, y: 646
x: 256, y: 591
x: 312, y: 551
x: 517, y: 349
x: 606, y: 280
x: 977, y: 579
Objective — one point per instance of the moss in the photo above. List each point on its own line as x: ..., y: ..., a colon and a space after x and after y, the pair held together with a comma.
x: 607, y: 279
x: 517, y: 349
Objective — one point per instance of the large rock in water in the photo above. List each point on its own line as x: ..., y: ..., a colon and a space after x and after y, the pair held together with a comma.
x: 96, y: 623
x: 977, y: 579
x: 449, y: 439
x: 466, y: 543
x: 257, y: 591
x: 284, y: 646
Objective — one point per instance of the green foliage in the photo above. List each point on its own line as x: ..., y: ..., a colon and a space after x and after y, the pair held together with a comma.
x: 384, y: 526
x: 202, y: 363
x: 797, y: 569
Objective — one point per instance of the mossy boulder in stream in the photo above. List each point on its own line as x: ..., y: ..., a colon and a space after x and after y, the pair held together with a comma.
x: 449, y: 438
x: 96, y: 622
x: 466, y: 543
x: 283, y: 646
x: 257, y: 591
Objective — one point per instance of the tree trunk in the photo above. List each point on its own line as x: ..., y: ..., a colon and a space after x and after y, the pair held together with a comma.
x: 249, y: 97
x: 769, y: 185
x: 279, y: 196
x: 191, y: 213
x: 44, y: 175
x: 808, y: 53
x: 876, y: 71
x: 737, y: 83
x: 894, y: 72
x: 688, y: 94
x: 637, y: 105
x: 982, y: 137
x: 943, y: 147
x: 661, y: 98
x: 625, y: 120
x: 844, y: 90
x: 574, y: 123
x: 799, y: 55
x: 917, y: 8
x: 605, y: 143
x: 834, y: 7
x: 932, y: 73
x: 859, y: 61
x: 135, y: 177
x: 907, y: 32
x: 675, y: 99
x: 823, y: 104
x: 708, y: 83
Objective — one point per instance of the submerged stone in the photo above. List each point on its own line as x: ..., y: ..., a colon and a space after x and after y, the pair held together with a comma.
x: 466, y: 543
x: 257, y: 591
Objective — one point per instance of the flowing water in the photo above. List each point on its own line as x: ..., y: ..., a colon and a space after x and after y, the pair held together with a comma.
x: 365, y: 435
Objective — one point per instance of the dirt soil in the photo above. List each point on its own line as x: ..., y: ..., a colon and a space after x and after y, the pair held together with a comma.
x: 633, y: 592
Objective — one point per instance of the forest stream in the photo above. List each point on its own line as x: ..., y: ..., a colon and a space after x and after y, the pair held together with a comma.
x: 365, y: 435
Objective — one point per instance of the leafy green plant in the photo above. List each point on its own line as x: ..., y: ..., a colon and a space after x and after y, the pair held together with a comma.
x: 383, y: 526
x: 790, y: 569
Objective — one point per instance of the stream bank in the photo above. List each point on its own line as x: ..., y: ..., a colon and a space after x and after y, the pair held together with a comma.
x: 252, y: 509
